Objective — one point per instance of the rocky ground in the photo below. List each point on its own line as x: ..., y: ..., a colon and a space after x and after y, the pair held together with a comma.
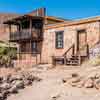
x: 60, y: 83
x: 11, y: 83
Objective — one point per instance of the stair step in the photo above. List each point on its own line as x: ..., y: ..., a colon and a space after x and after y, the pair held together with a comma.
x: 72, y: 64
x: 73, y: 58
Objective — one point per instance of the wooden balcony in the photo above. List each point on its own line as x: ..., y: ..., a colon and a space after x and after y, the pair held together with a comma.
x: 26, y: 34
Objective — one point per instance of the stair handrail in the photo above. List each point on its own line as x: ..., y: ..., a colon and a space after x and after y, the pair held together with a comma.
x: 71, y: 47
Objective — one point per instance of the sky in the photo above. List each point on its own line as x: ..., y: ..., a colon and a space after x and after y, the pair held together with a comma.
x: 68, y: 9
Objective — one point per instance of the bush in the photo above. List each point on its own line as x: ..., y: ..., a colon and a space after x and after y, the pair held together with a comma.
x: 12, y: 53
x: 95, y: 61
x: 7, y: 55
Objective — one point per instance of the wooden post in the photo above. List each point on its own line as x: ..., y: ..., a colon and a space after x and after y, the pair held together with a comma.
x: 30, y: 50
x: 65, y: 62
x: 20, y: 28
x: 88, y: 51
x: 73, y: 49
x: 9, y: 34
x: 19, y: 36
x: 30, y: 21
x: 9, y: 31
x: 40, y: 57
x: 31, y: 26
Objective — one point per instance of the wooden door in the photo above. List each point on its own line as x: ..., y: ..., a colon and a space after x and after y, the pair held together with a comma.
x: 81, y: 42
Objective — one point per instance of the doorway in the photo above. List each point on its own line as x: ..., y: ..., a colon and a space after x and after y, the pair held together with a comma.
x: 81, y: 42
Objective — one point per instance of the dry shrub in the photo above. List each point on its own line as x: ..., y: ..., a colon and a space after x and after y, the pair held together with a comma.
x: 95, y: 61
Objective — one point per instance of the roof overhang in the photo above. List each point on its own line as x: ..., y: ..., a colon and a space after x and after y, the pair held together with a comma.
x: 18, y: 19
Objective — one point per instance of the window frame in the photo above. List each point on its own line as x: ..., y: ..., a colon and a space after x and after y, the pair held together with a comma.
x: 57, y: 41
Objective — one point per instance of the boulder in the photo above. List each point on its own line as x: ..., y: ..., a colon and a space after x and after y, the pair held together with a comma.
x: 13, y: 89
x: 1, y: 96
x: 74, y: 75
x: 27, y: 82
x: 5, y: 86
x: 74, y: 81
x: 19, y: 84
x: 80, y: 84
x: 89, y: 83
x: 94, y: 75
x: 5, y: 94
x: 1, y: 80
x: 97, y: 83
x: 15, y: 77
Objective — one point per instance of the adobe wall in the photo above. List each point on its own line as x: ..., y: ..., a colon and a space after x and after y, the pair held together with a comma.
x: 48, y: 47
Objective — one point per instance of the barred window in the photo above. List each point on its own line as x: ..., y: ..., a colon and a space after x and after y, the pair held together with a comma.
x: 59, y: 39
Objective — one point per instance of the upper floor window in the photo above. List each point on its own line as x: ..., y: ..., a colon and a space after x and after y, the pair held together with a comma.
x: 25, y: 24
x: 59, y: 39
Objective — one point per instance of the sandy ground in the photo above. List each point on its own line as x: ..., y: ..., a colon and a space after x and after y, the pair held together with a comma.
x: 52, y: 86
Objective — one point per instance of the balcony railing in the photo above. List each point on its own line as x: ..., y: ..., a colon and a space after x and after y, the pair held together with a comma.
x: 26, y: 34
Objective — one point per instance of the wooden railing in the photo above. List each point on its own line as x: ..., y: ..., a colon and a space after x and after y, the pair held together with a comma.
x: 26, y: 34
x: 72, y: 47
x: 75, y: 56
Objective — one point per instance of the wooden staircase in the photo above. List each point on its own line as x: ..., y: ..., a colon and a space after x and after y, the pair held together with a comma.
x: 74, y: 59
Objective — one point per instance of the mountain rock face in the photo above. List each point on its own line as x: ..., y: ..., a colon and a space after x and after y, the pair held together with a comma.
x: 4, y: 30
x: 11, y: 84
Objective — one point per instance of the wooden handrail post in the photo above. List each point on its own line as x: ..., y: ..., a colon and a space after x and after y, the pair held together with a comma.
x: 79, y: 60
x: 65, y: 58
x: 73, y: 52
x: 88, y: 51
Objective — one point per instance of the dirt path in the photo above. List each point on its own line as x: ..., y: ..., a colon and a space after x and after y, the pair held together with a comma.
x: 52, y: 88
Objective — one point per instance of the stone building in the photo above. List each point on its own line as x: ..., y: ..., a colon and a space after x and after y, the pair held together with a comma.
x: 51, y: 40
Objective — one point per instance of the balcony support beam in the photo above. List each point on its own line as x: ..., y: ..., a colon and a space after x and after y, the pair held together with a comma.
x: 30, y: 26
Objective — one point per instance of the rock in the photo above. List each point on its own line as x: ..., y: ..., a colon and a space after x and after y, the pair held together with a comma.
x: 80, y: 84
x: 1, y: 96
x: 13, y: 89
x: 89, y: 83
x: 6, y: 78
x: 64, y: 80
x: 74, y: 81
x: 15, y: 77
x: 97, y: 83
x: 27, y: 82
x: 30, y: 77
x: 56, y: 97
x: 75, y: 75
x: 5, y: 94
x: 19, y: 84
x: 92, y: 75
x: 97, y: 76
x: 1, y: 80
x: 5, y: 86
x: 36, y: 78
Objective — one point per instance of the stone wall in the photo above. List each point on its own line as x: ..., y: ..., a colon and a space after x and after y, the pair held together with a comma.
x: 70, y: 37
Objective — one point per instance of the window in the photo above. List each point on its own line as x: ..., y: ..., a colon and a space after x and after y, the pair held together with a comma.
x: 34, y: 47
x: 25, y: 24
x: 59, y: 39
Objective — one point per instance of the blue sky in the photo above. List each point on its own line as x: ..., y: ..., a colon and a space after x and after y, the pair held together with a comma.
x: 69, y: 9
